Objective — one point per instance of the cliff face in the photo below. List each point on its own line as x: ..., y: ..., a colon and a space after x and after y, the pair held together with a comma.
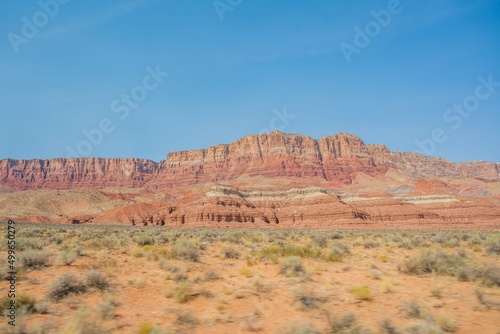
x: 75, y: 173
x: 335, y: 159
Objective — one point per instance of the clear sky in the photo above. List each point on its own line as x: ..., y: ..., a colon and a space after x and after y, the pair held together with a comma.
x: 387, y: 71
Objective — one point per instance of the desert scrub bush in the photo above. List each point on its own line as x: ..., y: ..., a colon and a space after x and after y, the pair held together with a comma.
x: 346, y: 324
x: 161, y: 239
x: 186, y: 321
x: 307, y: 299
x: 145, y: 327
x: 446, y: 323
x: 439, y: 262
x: 67, y: 257
x: 375, y: 273
x: 297, y: 328
x: 186, y: 250
x: 144, y: 239
x: 433, y: 261
x: 437, y: 292
x: 164, y: 253
x: 183, y: 292
x: 83, y: 322
x: 320, y: 240
x: 292, y: 266
x: 334, y: 256
x: 476, y: 240
x: 485, y: 273
x: 362, y: 293
x: 26, y: 243
x: 370, y: 244
x: 42, y: 308
x: 24, y: 304
x: 493, y: 248
x: 136, y: 252
x: 106, y: 309
x: 385, y: 286
x: 85, y: 236
x: 210, y: 275
x: 56, y: 239
x: 231, y: 253
x: 64, y: 285
x: 427, y: 326
x: 180, y: 277
x: 413, y: 309
x: 290, y: 251
x: 247, y: 272
x: 34, y: 259
x: 96, y: 279
x: 483, y: 300
x: 386, y: 327
x: 341, y: 247
x: 336, y: 236
x: 337, y: 252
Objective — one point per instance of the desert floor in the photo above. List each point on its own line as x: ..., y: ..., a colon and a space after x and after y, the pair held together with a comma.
x: 114, y: 279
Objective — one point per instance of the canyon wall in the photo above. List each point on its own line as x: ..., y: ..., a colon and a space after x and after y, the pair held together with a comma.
x: 336, y: 159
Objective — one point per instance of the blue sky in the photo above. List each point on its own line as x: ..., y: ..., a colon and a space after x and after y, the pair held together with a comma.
x: 229, y: 77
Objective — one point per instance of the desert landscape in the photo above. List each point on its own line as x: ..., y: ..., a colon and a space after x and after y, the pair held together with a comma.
x: 274, y: 233
x: 126, y: 279
x: 238, y: 167
x: 269, y: 180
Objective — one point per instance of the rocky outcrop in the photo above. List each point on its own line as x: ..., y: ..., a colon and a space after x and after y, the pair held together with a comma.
x: 225, y: 206
x: 335, y: 159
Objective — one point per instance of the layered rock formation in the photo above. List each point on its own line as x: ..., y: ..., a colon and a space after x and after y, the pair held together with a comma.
x: 271, y: 180
x: 335, y: 159
x: 225, y: 206
x: 75, y: 173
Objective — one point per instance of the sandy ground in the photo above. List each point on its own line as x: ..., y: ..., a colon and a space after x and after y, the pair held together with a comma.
x: 250, y: 294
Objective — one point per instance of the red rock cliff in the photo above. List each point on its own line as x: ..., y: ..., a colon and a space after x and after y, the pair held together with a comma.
x: 336, y: 159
